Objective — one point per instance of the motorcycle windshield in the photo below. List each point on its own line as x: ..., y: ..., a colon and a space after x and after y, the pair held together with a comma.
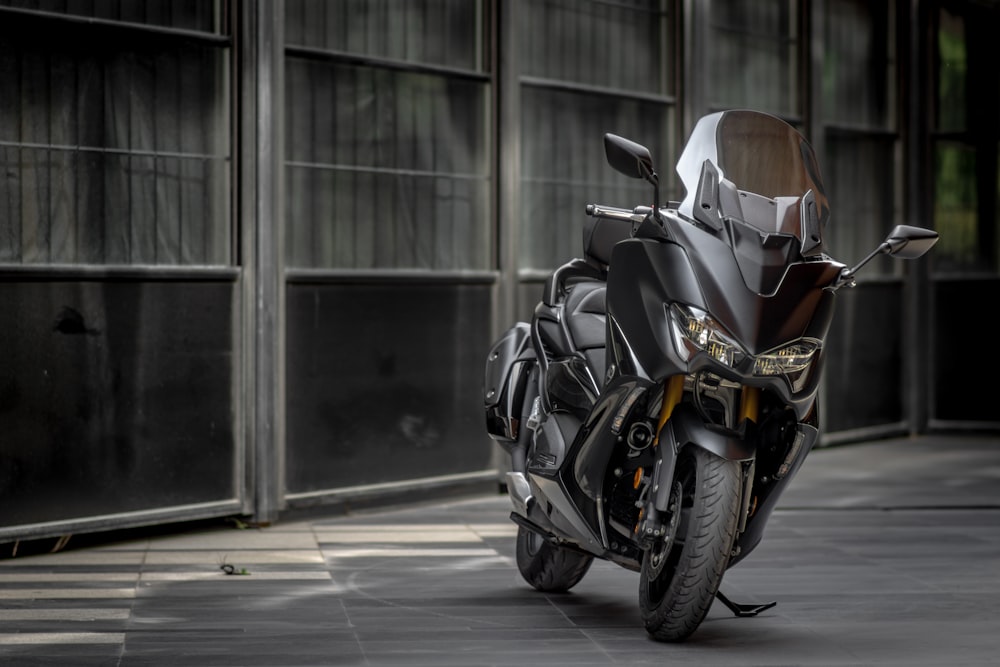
x: 757, y: 154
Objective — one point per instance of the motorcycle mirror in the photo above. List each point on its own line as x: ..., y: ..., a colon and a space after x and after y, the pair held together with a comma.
x: 904, y: 242
x: 907, y: 242
x: 629, y: 158
x: 633, y: 160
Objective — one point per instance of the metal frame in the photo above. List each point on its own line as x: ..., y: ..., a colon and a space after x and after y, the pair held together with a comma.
x: 229, y: 273
x: 260, y: 196
x: 254, y: 32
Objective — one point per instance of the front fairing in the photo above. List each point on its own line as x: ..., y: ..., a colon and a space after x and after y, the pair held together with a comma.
x: 697, y: 269
x: 744, y: 246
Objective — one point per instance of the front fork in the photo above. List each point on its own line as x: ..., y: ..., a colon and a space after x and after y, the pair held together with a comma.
x: 651, y: 525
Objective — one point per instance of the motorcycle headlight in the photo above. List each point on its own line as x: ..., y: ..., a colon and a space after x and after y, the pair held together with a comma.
x: 695, y: 331
x: 793, y: 361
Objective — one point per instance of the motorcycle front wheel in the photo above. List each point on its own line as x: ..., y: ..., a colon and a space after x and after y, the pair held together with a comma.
x: 548, y: 567
x: 680, y: 575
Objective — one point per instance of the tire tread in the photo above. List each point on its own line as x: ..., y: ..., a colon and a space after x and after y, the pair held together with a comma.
x: 705, y: 555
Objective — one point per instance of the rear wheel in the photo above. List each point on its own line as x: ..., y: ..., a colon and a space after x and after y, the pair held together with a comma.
x: 681, y: 574
x: 546, y: 566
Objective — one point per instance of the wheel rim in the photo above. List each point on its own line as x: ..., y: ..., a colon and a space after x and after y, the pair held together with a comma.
x: 660, y: 552
x: 532, y: 541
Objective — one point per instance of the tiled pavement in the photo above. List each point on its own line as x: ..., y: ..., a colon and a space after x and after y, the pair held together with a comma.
x: 885, y: 553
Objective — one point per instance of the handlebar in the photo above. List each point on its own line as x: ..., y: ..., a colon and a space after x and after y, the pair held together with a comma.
x: 638, y: 214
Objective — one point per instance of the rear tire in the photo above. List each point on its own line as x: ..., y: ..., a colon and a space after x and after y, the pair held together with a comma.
x: 548, y: 567
x: 678, y: 581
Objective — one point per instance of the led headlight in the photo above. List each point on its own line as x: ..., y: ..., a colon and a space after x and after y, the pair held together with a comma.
x: 695, y: 331
x: 793, y: 361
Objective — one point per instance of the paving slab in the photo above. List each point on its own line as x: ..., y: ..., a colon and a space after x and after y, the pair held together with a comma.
x: 882, y: 553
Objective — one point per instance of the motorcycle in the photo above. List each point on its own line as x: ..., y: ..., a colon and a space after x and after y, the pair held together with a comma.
x: 664, y: 392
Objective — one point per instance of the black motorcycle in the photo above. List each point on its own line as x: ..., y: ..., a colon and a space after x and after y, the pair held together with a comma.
x: 664, y: 393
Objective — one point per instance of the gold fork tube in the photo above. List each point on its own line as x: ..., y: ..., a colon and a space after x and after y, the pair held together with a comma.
x: 671, y: 397
x: 749, y: 404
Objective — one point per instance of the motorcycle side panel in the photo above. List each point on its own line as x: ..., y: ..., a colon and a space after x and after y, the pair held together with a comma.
x: 600, y: 435
x: 554, y: 508
x: 552, y: 438
x: 563, y: 517
x: 570, y: 461
x: 640, y: 339
x: 766, y: 497
x: 570, y: 386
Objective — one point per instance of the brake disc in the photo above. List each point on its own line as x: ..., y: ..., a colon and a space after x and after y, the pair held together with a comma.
x: 660, y: 551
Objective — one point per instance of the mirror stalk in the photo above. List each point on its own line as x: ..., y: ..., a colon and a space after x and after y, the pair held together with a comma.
x: 847, y: 275
x: 903, y: 241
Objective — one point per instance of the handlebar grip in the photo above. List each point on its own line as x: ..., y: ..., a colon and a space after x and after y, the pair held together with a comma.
x: 613, y: 213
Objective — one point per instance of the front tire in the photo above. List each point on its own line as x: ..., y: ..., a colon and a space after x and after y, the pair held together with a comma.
x: 679, y: 577
x: 548, y: 567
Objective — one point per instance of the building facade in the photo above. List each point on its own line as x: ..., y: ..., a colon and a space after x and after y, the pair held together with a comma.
x: 253, y: 252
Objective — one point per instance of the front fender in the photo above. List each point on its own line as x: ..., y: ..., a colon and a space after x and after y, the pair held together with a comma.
x: 686, y: 428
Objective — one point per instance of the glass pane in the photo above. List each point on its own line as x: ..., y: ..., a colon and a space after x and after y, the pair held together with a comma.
x: 616, y: 45
x: 955, y: 209
x: 116, y: 155
x: 864, y: 350
x: 118, y: 396
x: 976, y: 402
x: 754, y: 56
x: 201, y: 15
x: 564, y: 167
x: 339, y: 431
x: 386, y: 169
x: 859, y: 73
x: 434, y: 32
x: 952, y: 72
x: 860, y: 180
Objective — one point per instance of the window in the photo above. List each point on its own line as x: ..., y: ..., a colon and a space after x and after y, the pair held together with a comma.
x: 588, y: 68
x: 197, y: 15
x: 114, y: 137
x: 859, y: 69
x: 387, y: 125
x: 965, y: 155
x: 619, y: 45
x: 861, y: 143
x: 754, y: 56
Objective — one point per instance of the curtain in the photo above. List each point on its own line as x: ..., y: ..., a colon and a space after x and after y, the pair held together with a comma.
x: 588, y: 68
x: 114, y: 147
x: 387, y: 166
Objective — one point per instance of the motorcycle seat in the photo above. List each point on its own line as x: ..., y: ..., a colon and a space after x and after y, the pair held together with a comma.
x: 601, y: 235
x: 585, y: 312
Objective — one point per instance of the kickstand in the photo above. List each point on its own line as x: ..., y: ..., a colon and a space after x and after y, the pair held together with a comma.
x: 743, y: 610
